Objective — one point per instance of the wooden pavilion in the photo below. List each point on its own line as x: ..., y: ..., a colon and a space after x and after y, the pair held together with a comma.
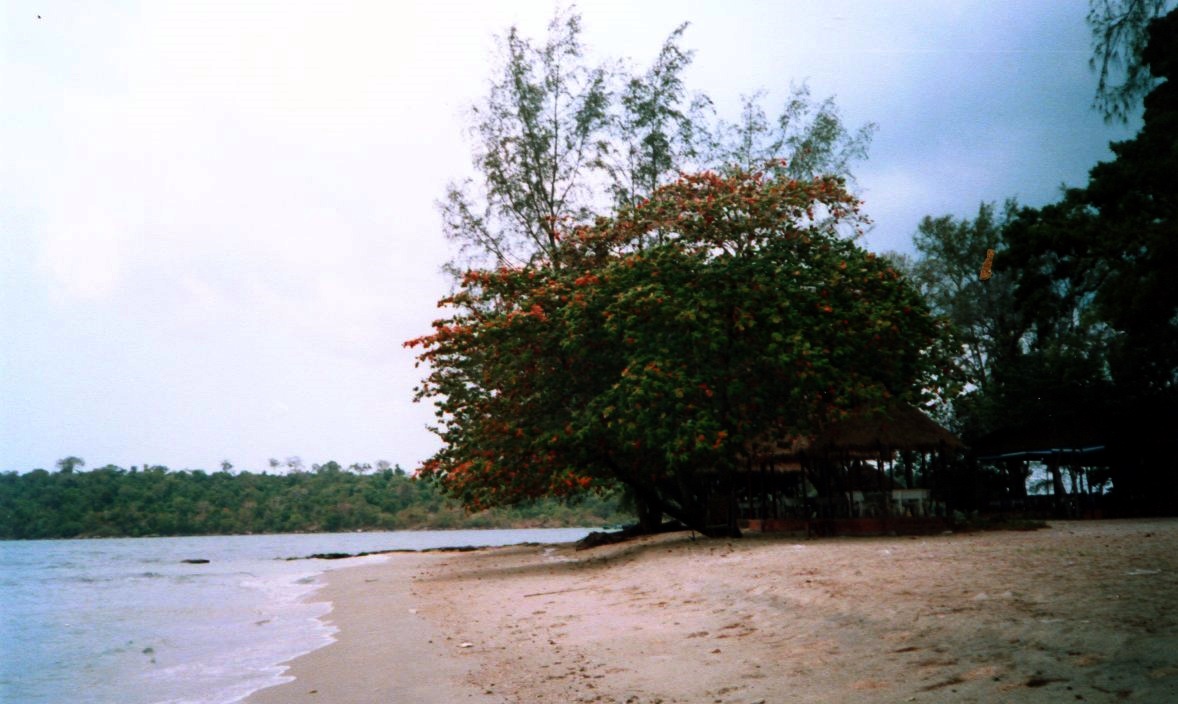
x: 870, y: 473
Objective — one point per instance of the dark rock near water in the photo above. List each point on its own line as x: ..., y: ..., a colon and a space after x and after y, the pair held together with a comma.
x: 599, y: 538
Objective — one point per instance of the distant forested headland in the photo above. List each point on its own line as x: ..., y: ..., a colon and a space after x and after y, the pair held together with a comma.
x: 114, y: 502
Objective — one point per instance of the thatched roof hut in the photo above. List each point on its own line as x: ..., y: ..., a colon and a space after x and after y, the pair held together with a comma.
x: 850, y: 472
x: 900, y: 427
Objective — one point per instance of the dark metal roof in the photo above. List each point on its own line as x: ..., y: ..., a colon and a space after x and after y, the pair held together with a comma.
x: 1061, y: 454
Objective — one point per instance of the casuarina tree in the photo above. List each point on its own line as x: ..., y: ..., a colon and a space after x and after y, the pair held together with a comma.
x: 559, y: 139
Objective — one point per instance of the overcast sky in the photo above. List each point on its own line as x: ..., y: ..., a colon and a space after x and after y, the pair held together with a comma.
x: 218, y: 220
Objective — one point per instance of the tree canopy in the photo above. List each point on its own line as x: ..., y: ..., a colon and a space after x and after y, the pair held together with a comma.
x: 1081, y: 304
x: 1102, y: 257
x: 723, y: 299
x: 558, y: 140
x: 950, y: 253
x: 537, y: 135
x: 1120, y: 34
x: 1077, y: 329
x: 675, y: 334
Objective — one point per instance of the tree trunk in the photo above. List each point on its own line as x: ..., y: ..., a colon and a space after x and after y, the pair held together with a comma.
x: 650, y: 514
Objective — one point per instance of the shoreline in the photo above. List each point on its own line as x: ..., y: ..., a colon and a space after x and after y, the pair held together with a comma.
x: 383, y: 648
x: 1081, y: 611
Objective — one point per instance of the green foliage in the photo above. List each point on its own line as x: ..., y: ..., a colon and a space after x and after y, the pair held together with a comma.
x: 67, y: 465
x: 658, y: 125
x: 806, y: 141
x: 1103, y: 257
x: 1030, y: 343
x: 537, y: 135
x: 674, y: 335
x: 989, y: 327
x: 556, y: 140
x: 951, y: 253
x: 1120, y: 33
x: 1081, y: 311
x: 111, y: 502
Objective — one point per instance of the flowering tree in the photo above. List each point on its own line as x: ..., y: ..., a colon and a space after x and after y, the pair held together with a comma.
x: 672, y: 336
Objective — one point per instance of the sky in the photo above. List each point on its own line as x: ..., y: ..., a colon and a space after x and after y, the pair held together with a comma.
x: 219, y: 223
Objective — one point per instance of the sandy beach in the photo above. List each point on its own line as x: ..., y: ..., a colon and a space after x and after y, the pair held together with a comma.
x: 1082, y: 611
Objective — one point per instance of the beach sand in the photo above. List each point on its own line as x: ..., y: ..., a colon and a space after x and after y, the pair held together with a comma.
x: 1082, y: 611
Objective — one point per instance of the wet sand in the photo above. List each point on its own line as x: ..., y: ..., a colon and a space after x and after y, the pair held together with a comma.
x: 1082, y: 611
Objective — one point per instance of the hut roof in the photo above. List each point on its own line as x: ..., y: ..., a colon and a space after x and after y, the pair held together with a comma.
x: 900, y: 427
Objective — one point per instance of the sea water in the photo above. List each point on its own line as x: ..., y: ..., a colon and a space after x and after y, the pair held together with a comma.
x: 130, y: 621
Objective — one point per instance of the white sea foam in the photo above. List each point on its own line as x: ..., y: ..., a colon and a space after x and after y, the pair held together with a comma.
x: 240, y: 648
x: 99, y: 621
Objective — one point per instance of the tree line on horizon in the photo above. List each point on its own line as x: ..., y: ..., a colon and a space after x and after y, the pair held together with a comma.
x: 112, y: 502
